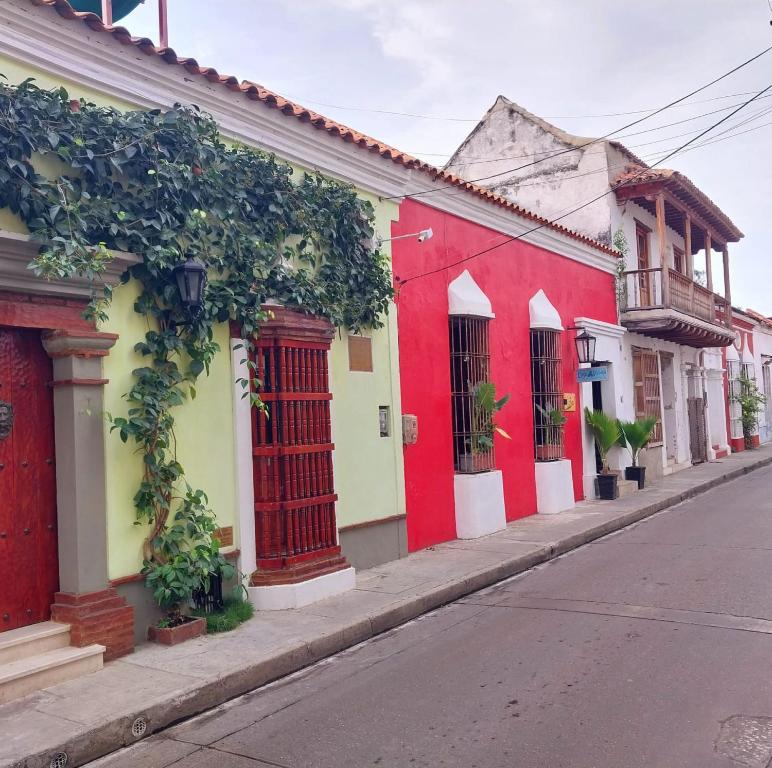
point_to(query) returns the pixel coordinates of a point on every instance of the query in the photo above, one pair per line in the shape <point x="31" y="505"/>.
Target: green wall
<point x="368" y="468"/>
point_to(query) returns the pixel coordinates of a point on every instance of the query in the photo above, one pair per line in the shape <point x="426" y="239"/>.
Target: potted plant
<point x="750" y="401"/>
<point x="606" y="432"/>
<point x="635" y="435"/>
<point x="485" y="406"/>
<point x="185" y="557"/>
<point x="553" y="420"/>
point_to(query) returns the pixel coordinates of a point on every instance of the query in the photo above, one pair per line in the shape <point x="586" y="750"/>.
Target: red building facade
<point x="510" y="276"/>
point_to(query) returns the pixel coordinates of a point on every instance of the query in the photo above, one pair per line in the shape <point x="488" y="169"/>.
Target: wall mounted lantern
<point x="190" y="277"/>
<point x="585" y="347"/>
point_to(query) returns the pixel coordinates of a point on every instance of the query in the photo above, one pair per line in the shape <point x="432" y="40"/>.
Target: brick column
<point x="96" y="613"/>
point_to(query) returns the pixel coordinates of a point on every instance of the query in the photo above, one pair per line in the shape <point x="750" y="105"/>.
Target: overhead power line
<point x="443" y="118"/>
<point x="588" y="202"/>
<point x="551" y="152"/>
<point x="607" y="135"/>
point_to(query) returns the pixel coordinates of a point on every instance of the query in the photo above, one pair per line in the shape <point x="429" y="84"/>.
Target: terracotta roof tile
<point x="257" y="92"/>
<point x="689" y="192"/>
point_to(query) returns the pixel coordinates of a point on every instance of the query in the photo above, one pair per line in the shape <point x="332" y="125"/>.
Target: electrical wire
<point x="605" y="136"/>
<point x="549" y="153"/>
<point x="402" y="283"/>
<point x="713" y="140"/>
<point x="443" y="118"/>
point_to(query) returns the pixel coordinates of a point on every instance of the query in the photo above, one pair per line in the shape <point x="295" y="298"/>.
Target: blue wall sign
<point x="598" y="373"/>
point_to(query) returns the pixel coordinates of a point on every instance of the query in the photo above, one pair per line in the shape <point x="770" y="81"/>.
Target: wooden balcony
<point x="668" y="305"/>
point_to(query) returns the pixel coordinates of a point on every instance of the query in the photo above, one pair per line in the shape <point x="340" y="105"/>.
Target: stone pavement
<point x="92" y="716"/>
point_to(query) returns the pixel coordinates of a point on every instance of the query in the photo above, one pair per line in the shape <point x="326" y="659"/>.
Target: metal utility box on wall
<point x="409" y="429"/>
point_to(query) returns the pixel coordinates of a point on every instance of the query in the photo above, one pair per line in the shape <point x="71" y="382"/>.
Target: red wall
<point x="510" y="276"/>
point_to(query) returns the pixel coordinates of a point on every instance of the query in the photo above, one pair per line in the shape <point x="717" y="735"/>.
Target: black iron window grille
<point x="210" y="600"/>
<point x="547" y="389"/>
<point x="469" y="367"/>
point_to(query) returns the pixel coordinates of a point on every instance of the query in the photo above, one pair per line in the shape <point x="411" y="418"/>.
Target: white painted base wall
<point x="479" y="504"/>
<point x="554" y="487"/>
<point x="282" y="597"/>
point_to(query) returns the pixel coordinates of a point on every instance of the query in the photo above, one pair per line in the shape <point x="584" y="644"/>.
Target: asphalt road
<point x="649" y="648"/>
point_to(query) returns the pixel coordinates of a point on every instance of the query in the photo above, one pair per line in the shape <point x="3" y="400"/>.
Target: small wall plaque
<point x="569" y="402"/>
<point x="360" y="354"/>
<point x="224" y="536"/>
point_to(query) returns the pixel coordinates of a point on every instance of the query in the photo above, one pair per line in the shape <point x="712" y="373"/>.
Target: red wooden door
<point x="295" y="527"/>
<point x="29" y="570"/>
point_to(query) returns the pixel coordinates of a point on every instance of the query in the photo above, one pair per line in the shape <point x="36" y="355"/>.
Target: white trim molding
<point x="600" y="327"/>
<point x="543" y="314"/>
<point x="466" y="298"/>
<point x="16" y="253"/>
<point x="242" y="436"/>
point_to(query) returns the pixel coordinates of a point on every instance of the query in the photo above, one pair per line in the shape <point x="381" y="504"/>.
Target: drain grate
<point x="59" y="760"/>
<point x="139" y="727"/>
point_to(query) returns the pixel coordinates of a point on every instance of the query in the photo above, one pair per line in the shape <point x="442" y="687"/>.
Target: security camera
<point x="425" y="234"/>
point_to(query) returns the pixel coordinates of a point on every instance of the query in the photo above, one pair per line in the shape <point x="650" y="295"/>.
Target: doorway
<point x="698" y="425"/>
<point x="29" y="569"/>
<point x="669" y="406"/>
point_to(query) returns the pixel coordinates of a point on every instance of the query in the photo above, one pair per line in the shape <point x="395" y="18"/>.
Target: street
<point x="650" y="647"/>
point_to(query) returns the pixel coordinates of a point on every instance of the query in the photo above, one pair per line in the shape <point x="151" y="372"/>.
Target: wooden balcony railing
<point x="644" y="290"/>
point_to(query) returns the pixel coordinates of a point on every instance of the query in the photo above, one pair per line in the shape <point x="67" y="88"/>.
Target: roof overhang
<point x="670" y="324"/>
<point x="643" y="186"/>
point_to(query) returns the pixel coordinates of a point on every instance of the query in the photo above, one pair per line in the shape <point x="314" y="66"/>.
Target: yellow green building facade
<point x="100" y="548"/>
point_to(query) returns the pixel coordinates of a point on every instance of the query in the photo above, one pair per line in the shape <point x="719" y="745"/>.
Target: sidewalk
<point x="92" y="716"/>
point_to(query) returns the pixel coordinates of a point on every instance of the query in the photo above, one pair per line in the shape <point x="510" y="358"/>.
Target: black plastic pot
<point x="636" y="473"/>
<point x="607" y="487"/>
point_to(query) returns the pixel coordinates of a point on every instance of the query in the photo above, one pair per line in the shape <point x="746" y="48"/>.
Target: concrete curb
<point x="104" y="738"/>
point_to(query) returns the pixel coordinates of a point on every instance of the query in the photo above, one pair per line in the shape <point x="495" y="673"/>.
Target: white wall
<point x="616" y="402"/>
<point x="517" y="140"/>
<point x="762" y="351"/>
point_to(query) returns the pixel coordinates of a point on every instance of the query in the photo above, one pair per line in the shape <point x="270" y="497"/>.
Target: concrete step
<point x="33" y="640"/>
<point x="18" y="678"/>
<point x="626" y="487"/>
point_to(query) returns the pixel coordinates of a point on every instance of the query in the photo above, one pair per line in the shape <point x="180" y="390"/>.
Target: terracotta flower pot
<point x="178" y="634"/>
<point x="549" y="452"/>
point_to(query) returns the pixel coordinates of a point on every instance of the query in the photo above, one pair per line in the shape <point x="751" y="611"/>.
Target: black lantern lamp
<point x="585" y="347"/>
<point x="190" y="277"/>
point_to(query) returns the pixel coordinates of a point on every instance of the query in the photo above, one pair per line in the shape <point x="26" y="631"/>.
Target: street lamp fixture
<point x="190" y="277"/>
<point x="585" y="347"/>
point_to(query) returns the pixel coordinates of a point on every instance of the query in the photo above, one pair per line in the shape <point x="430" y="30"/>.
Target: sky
<point x="577" y="64"/>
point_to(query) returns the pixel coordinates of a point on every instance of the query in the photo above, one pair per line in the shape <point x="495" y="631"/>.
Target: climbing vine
<point x="165" y="186"/>
<point x="620" y="282"/>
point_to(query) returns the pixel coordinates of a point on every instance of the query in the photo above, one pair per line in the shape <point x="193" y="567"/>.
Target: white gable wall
<point x="545" y="187"/>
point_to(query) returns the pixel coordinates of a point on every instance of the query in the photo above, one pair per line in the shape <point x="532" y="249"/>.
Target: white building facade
<point x="665" y="355"/>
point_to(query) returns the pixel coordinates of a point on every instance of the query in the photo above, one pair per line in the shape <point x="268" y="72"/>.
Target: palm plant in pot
<point x="635" y="436"/>
<point x="606" y="432"/>
<point x="485" y="406"/>
<point x="551" y="433"/>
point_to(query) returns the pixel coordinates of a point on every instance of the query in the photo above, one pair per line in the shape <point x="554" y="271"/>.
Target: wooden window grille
<point x="648" y="400"/>
<point x="469" y="366"/>
<point x="547" y="395"/>
<point x="295" y="524"/>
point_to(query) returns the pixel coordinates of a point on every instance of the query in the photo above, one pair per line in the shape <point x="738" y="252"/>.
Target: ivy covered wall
<point x="368" y="468"/>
